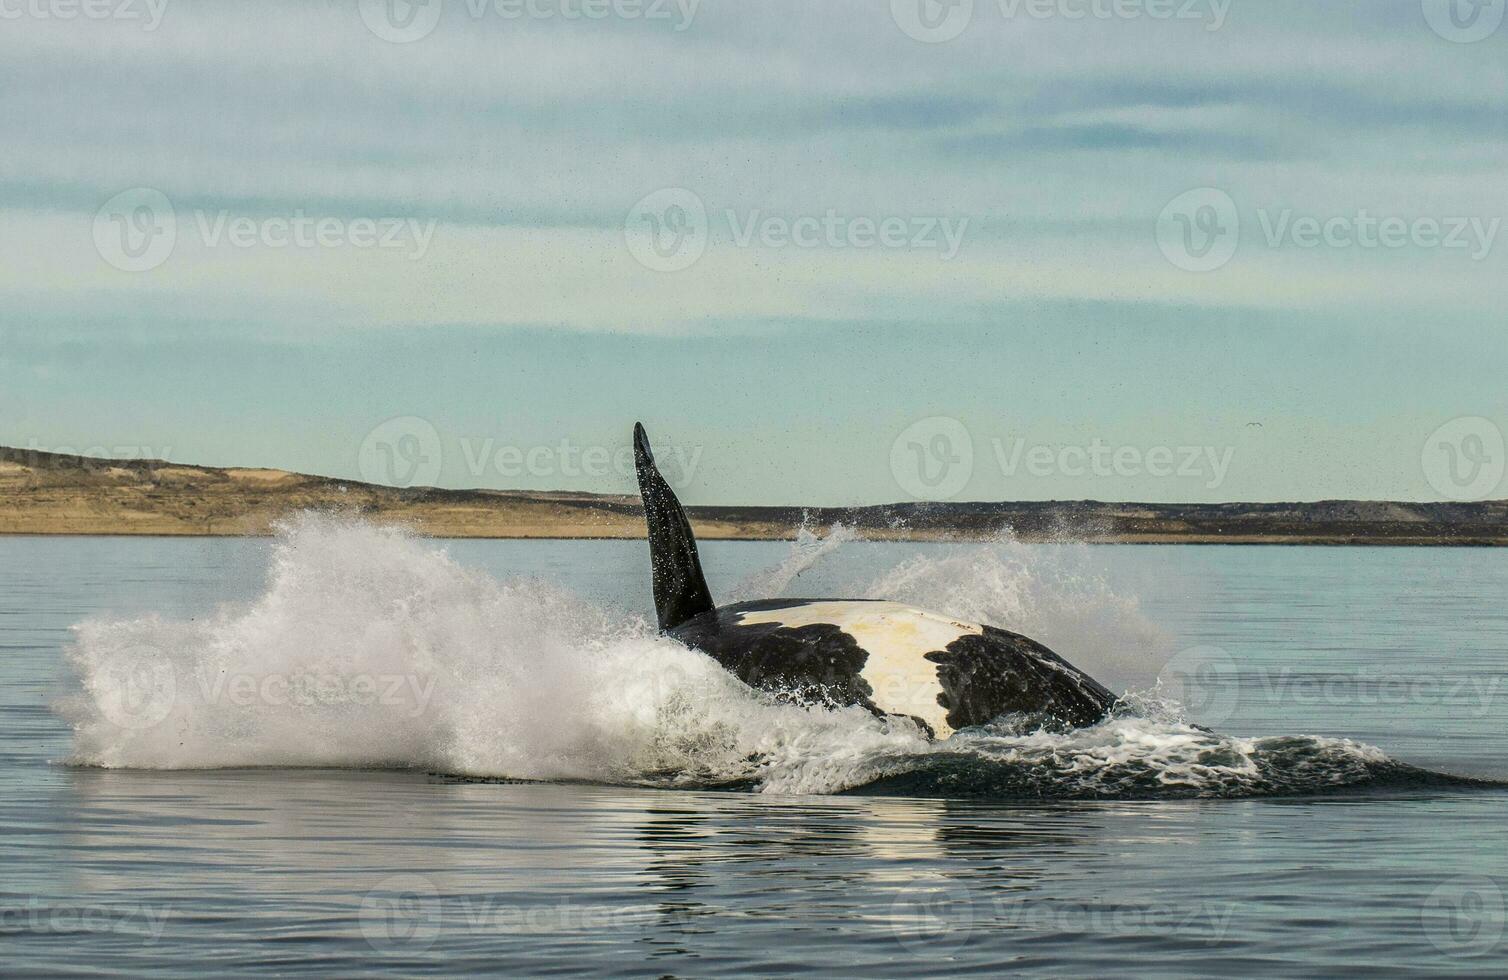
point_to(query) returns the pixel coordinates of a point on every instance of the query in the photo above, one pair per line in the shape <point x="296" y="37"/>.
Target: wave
<point x="1146" y="758"/>
<point x="373" y="648"/>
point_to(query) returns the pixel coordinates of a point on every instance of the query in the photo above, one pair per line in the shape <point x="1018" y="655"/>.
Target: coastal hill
<point x="48" y="493"/>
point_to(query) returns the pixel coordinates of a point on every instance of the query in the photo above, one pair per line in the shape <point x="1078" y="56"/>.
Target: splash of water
<point x="1055" y="595"/>
<point x="370" y="648"/>
<point x="807" y="550"/>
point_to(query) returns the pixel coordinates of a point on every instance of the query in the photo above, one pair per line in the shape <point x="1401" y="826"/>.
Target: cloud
<point x="528" y="142"/>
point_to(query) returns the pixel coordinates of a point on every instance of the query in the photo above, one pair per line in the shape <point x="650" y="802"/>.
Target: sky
<point x="845" y="252"/>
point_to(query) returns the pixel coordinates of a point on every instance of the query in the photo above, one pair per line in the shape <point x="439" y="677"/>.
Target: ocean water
<point x="346" y="749"/>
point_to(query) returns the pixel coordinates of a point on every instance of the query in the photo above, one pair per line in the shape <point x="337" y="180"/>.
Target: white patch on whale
<point x="897" y="637"/>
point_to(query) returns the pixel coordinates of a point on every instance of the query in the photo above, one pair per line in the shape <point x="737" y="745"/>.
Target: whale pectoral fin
<point x="680" y="588"/>
<point x="997" y="672"/>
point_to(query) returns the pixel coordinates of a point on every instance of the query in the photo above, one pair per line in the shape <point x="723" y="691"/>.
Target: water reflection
<point x="400" y="872"/>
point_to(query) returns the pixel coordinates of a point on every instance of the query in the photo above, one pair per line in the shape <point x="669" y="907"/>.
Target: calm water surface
<point x="333" y="871"/>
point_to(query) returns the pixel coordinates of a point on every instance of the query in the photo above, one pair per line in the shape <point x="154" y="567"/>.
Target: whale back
<point x="896" y="659"/>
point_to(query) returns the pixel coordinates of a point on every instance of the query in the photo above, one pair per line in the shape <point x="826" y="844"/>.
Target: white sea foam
<point x="373" y="648"/>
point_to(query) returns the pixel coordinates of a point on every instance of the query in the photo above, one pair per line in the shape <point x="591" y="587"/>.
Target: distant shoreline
<point x="1249" y="541"/>
<point x="47" y="494"/>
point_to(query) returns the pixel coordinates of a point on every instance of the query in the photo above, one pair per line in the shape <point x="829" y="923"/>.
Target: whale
<point x="891" y="658"/>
